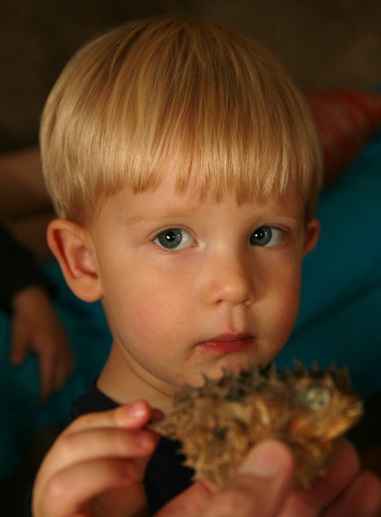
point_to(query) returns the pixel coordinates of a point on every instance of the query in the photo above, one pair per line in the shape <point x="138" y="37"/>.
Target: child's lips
<point x="227" y="343"/>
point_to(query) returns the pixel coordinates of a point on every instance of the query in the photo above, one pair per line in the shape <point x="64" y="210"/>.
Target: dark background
<point x="324" y="43"/>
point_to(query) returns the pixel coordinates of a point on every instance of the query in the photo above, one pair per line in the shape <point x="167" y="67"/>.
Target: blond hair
<point x="174" y="88"/>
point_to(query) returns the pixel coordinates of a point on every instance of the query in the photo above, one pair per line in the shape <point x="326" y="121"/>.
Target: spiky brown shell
<point x="310" y="410"/>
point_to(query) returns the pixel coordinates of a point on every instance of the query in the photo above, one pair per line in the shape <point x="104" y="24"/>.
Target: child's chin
<point x="229" y="362"/>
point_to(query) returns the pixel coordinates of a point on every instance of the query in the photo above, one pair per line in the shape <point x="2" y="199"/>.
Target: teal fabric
<point x="339" y="320"/>
<point x="88" y="333"/>
<point x="20" y="415"/>
<point x="340" y="313"/>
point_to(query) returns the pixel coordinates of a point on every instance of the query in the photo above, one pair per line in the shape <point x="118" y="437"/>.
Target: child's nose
<point x="230" y="280"/>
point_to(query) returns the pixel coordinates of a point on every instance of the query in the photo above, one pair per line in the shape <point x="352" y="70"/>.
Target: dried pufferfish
<point x="310" y="410"/>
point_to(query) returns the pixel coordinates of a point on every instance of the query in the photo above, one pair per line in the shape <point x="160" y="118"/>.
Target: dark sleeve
<point x="18" y="269"/>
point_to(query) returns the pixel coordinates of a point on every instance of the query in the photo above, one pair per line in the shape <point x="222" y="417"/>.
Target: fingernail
<point x="263" y="461"/>
<point x="138" y="409"/>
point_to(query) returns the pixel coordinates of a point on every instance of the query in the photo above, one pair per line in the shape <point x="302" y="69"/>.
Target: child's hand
<point x="96" y="467"/>
<point x="262" y="489"/>
<point x="36" y="328"/>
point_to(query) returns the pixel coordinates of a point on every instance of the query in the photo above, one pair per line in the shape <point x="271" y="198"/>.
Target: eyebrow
<point x="146" y="215"/>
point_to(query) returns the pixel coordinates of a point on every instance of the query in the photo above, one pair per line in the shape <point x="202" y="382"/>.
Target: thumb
<point x="259" y="488"/>
<point x="269" y="460"/>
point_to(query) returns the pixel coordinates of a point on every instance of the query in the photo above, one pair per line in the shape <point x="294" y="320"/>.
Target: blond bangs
<point x="174" y="92"/>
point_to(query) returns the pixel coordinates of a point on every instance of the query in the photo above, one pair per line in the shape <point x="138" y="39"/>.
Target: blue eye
<point x="174" y="238"/>
<point x="266" y="236"/>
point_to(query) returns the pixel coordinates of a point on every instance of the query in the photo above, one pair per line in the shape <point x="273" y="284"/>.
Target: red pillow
<point x="346" y="120"/>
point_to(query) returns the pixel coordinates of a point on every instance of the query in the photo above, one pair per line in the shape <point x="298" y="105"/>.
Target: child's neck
<point x="124" y="385"/>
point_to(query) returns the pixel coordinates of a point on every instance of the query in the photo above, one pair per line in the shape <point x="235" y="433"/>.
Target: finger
<point x="363" y="498"/>
<point x="130" y="416"/>
<point x="46" y="363"/>
<point x="60" y="375"/>
<point x="263" y="483"/>
<point x="310" y="502"/>
<point x="19" y="345"/>
<point x="71" y="488"/>
<point x="62" y="368"/>
<point x="102" y="443"/>
<point x="113" y="433"/>
<point x="66" y="368"/>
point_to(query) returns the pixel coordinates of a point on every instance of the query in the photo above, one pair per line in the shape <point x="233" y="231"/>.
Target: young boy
<point x="184" y="166"/>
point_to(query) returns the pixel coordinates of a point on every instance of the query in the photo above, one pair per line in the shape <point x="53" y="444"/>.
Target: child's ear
<point x="71" y="245"/>
<point x="311" y="235"/>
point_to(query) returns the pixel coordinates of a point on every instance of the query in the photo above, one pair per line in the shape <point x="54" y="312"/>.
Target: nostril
<point x="229" y="280"/>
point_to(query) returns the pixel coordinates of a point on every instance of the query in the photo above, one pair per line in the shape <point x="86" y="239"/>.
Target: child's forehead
<point x="166" y="200"/>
